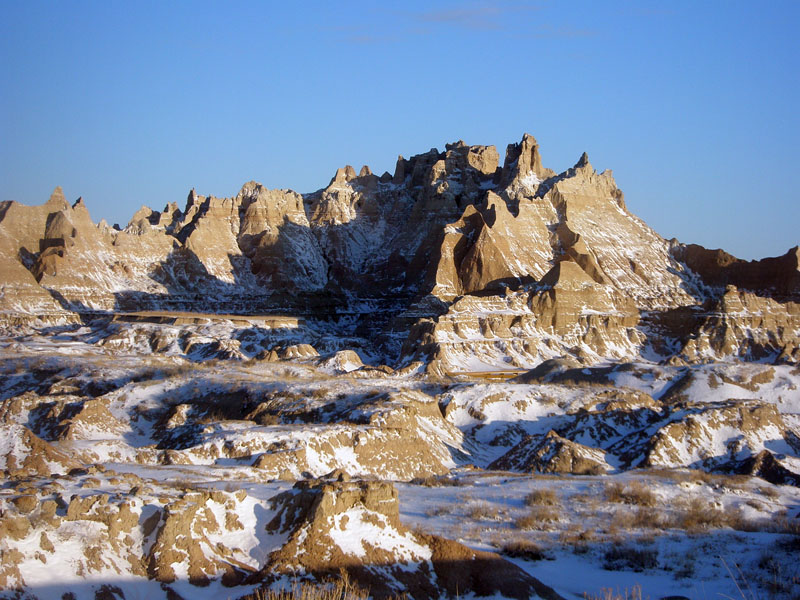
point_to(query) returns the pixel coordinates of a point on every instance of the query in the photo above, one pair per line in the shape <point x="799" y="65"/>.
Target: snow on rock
<point x="355" y="526"/>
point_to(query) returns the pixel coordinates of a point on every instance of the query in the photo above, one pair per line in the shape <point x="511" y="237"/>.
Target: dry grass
<point x="483" y="511"/>
<point x="542" y="498"/>
<point x="522" y="548"/>
<point x="634" y="493"/>
<point x="609" y="594"/>
<point x="680" y="475"/>
<point x="696" y="476"/>
<point x="539" y="517"/>
<point x="341" y="589"/>
<point x="630" y="558"/>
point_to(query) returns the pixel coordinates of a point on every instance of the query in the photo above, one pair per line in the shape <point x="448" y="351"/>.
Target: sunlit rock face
<point x="454" y="260"/>
<point x="236" y="395"/>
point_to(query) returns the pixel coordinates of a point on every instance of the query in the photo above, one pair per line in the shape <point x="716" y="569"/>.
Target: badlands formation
<point x="461" y="379"/>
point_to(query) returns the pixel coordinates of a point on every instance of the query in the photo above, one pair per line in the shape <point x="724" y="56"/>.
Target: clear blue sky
<point x="694" y="105"/>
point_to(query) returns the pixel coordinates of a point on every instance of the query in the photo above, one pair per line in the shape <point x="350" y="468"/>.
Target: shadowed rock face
<point x="453" y="253"/>
<point x="355" y="527"/>
<point x="779" y="276"/>
<point x="553" y="454"/>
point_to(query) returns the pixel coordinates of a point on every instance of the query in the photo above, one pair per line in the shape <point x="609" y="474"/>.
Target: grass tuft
<point x="634" y="493"/>
<point x="609" y="594"/>
<point x="630" y="558"/>
<point x="542" y="498"/>
<point x="538" y="518"/>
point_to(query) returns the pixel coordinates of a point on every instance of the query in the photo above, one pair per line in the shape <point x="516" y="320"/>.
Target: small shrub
<point x="542" y="498"/>
<point x="319" y="393"/>
<point x="770" y="492"/>
<point x="438" y="511"/>
<point x="577" y="538"/>
<point x="699" y="515"/>
<point x="482" y="511"/>
<point x="630" y="558"/>
<point x="640" y="518"/>
<point x="785" y="524"/>
<point x="753" y="503"/>
<point x="634" y="493"/>
<point x="684" y="567"/>
<point x="538" y="516"/>
<point x="522" y="548"/>
<point x="609" y="594"/>
<point x="436" y="481"/>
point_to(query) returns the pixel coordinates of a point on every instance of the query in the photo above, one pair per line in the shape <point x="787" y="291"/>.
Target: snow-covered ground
<point x="146" y="423"/>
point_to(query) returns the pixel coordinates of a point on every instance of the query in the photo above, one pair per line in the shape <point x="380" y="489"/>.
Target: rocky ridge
<point x="453" y="260"/>
<point x="227" y="396"/>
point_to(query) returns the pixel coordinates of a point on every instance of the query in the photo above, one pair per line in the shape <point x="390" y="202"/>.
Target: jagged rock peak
<point x="344" y="174"/>
<point x="57" y="199"/>
<point x="523" y="159"/>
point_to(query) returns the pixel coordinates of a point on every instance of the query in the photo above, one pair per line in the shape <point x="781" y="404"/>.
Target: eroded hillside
<point x="461" y="379"/>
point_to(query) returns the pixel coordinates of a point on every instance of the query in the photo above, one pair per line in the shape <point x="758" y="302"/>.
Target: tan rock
<point x="553" y="454"/>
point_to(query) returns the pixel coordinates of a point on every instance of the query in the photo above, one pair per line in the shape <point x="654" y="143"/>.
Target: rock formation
<point x="532" y="263"/>
<point x="355" y="527"/>
<point x="229" y="394"/>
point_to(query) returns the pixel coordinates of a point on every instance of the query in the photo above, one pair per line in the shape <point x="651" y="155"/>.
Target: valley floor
<point x="138" y="472"/>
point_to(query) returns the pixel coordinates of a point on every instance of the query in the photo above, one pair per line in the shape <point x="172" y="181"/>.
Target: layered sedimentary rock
<point x="747" y="326"/>
<point x="771" y="276"/>
<point x="553" y="454"/>
<point x="355" y="527"/>
<point x="452" y="259"/>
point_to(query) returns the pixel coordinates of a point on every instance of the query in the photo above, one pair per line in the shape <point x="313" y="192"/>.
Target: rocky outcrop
<point x="765" y="465"/>
<point x="523" y="160"/>
<point x="26" y="454"/>
<point x="553" y="454"/>
<point x="713" y="436"/>
<point x="779" y="276"/>
<point x="567" y="313"/>
<point x="355" y="527"/>
<point x="548" y="264"/>
<point x="748" y="327"/>
<point x="196" y="537"/>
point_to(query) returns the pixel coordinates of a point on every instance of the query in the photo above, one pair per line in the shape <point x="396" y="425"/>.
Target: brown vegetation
<point x="538" y="518"/>
<point x="634" y="493"/>
<point x="541" y="498"/>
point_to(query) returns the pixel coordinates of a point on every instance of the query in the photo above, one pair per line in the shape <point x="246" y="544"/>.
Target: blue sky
<point x="694" y="105"/>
